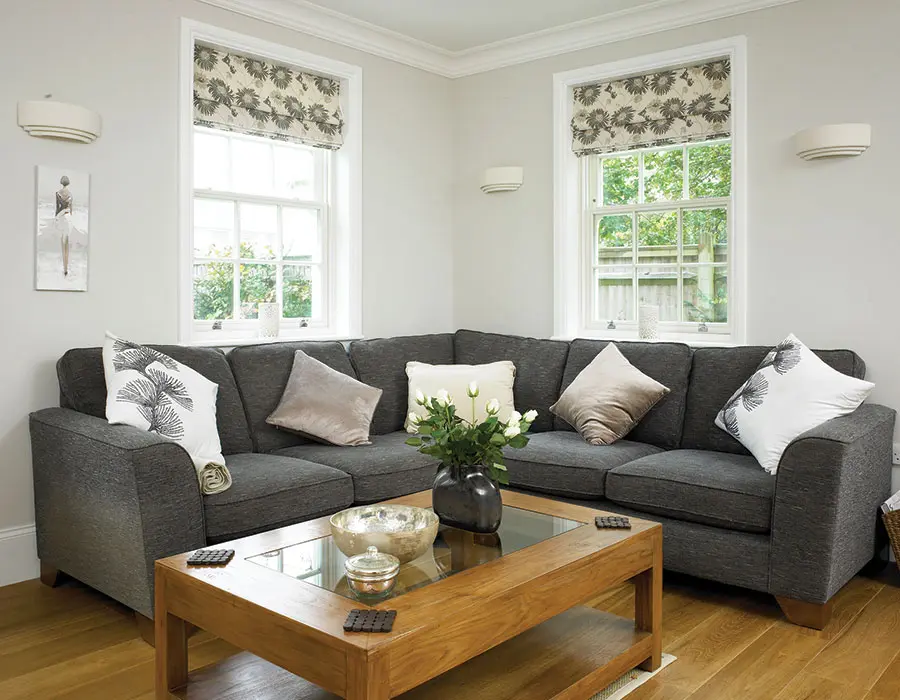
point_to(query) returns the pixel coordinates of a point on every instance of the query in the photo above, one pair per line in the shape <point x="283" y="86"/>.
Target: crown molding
<point x="649" y="18"/>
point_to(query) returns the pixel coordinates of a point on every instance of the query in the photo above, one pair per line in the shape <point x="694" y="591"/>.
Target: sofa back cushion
<point x="262" y="373"/>
<point x="716" y="373"/>
<point x="539" y="367"/>
<point x="667" y="363"/>
<point x="381" y="363"/>
<point x="82" y="387"/>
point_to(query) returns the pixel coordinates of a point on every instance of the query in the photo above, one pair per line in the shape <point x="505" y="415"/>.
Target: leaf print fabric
<point x="258" y="97"/>
<point x="677" y="105"/>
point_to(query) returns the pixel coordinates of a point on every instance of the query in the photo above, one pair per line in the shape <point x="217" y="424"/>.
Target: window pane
<point x="706" y="294"/>
<point x="658" y="237"/>
<point x="705" y="234"/>
<point x="663" y="176"/>
<point x="210" y="161"/>
<point x="614" y="300"/>
<point x="259" y="231"/>
<point x="298" y="292"/>
<point x="614" y="236"/>
<point x="709" y="171"/>
<point x="301" y="234"/>
<point x="251" y="166"/>
<point x="294" y="172"/>
<point x="658" y="285"/>
<point x="620" y="180"/>
<point x="213" y="228"/>
<point x="213" y="291"/>
<point x="258" y="284"/>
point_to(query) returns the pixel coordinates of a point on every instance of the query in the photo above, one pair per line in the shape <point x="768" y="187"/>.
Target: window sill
<point x="692" y="340"/>
<point x="234" y="342"/>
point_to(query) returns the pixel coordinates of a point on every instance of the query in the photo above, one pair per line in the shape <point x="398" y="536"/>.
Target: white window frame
<point x="573" y="249"/>
<point x="342" y="254"/>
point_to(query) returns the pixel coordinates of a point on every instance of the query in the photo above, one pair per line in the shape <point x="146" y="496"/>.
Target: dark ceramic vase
<point x="467" y="498"/>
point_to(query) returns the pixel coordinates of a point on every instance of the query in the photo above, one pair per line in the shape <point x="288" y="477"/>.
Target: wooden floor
<point x="73" y="643"/>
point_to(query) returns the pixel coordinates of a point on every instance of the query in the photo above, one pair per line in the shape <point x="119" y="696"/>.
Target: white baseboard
<point x="18" y="555"/>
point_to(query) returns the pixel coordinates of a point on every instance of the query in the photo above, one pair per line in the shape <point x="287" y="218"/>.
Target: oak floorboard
<point x="887" y="687"/>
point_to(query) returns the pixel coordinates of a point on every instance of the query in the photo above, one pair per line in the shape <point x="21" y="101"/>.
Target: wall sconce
<point x="506" y="179"/>
<point x="59" y="120"/>
<point x="833" y="140"/>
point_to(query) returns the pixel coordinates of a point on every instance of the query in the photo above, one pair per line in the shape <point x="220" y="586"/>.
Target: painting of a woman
<point x="61" y="246"/>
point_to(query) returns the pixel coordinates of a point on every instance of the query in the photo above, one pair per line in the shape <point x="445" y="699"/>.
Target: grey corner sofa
<point x="112" y="499"/>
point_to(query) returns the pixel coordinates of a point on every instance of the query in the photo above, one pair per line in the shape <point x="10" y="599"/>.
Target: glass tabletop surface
<point x="321" y="563"/>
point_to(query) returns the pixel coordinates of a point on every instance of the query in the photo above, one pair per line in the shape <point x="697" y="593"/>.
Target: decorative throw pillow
<point x="321" y="403"/>
<point x="495" y="381"/>
<point x="608" y="398"/>
<point x="149" y="390"/>
<point x="792" y="391"/>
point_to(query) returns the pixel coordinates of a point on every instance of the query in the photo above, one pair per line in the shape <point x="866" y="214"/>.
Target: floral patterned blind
<point x="262" y="98"/>
<point x="675" y="105"/>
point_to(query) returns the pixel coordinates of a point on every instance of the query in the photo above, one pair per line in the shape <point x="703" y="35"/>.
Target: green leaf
<point x="519" y="441"/>
<point x="425" y="429"/>
<point x="501" y="467"/>
<point x="498" y="439"/>
<point x="503" y="478"/>
<point x="414" y="442"/>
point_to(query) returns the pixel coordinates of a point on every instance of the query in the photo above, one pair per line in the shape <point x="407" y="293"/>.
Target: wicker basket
<point x="892" y="525"/>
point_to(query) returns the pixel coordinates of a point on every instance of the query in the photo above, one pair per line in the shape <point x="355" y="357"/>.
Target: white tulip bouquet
<point x="456" y="441"/>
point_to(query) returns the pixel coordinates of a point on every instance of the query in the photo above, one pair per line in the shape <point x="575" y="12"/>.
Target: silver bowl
<point x="406" y="532"/>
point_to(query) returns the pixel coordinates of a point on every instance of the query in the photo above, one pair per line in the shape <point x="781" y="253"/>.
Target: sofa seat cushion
<point x="561" y="463"/>
<point x="385" y="469"/>
<point x="269" y="491"/>
<point x="713" y="488"/>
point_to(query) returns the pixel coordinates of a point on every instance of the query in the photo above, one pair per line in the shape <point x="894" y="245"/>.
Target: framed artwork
<point x="62" y="239"/>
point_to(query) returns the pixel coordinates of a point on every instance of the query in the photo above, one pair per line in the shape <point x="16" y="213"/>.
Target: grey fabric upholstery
<point x="110" y="500"/>
<point x="382" y="363"/>
<point x="83" y="387"/>
<point x="713" y="488"/>
<point x="385" y="469"/>
<point x="539" y="367"/>
<point x="562" y="463"/>
<point x="262" y="371"/>
<point x="270" y="492"/>
<point x="829" y="486"/>
<point x="716" y="373"/>
<point x="667" y="363"/>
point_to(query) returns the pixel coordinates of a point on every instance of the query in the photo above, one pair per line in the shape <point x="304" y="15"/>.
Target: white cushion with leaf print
<point x="149" y="390"/>
<point x="792" y="391"/>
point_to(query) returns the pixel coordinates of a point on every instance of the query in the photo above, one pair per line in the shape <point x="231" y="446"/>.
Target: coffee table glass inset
<point x="321" y="563"/>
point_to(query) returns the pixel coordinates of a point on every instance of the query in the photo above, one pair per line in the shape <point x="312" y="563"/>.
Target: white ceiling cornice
<point x="657" y="16"/>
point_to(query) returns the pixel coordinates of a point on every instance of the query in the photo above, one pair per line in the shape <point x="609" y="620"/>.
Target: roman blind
<point x="674" y="105"/>
<point x="252" y="96"/>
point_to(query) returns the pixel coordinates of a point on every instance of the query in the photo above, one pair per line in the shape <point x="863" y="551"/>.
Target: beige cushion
<point x="322" y="403"/>
<point x="608" y="398"/>
<point x="495" y="381"/>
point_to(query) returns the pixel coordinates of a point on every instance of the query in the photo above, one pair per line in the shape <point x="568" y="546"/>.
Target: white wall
<point x="824" y="242"/>
<point x="121" y="58"/>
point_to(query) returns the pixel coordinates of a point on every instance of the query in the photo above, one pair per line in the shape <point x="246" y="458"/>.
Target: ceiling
<point x="457" y="25"/>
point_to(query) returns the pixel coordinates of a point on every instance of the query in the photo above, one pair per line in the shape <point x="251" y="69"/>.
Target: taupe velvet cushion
<point x="325" y="404"/>
<point x="608" y="398"/>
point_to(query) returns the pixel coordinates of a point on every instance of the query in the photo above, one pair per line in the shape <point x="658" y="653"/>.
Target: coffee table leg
<point x="171" y="646"/>
<point x="648" y="605"/>
<point x="368" y="677"/>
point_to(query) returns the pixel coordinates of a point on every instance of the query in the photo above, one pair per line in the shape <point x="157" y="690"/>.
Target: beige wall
<point x="824" y="243"/>
<point x="121" y="58"/>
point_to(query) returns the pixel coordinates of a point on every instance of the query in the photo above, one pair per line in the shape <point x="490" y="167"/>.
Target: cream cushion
<point x="608" y="398"/>
<point x="495" y="381"/>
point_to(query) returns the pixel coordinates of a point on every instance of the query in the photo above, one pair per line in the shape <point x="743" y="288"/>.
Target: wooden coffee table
<point x="480" y="616"/>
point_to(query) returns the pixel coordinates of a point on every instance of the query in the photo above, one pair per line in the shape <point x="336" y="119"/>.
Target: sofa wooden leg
<point x="146" y="628"/>
<point x="51" y="576"/>
<point x="814" y="615"/>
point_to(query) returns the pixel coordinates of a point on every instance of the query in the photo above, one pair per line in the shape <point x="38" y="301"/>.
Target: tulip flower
<point x="420" y="397"/>
<point x="530" y="416"/>
<point x="412" y="428"/>
<point x="512" y="431"/>
<point x="443" y="398"/>
<point x="493" y="407"/>
<point x="472" y="390"/>
<point x="414" y="418"/>
<point x="514" y="418"/>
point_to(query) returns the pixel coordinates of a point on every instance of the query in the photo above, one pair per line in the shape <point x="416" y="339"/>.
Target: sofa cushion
<point x="562" y="463"/>
<point x="382" y="363"/>
<point x="667" y="363"/>
<point x="539" y="367"/>
<point x="262" y="372"/>
<point x="713" y="488"/>
<point x="271" y="491"/>
<point x="716" y="373"/>
<point x="385" y="469"/>
<point x="82" y="387"/>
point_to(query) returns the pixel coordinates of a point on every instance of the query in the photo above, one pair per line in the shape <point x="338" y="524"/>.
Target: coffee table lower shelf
<point x="569" y="657"/>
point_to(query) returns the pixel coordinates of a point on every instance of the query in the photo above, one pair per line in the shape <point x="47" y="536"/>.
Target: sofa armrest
<point x="110" y="500"/>
<point x="829" y="485"/>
